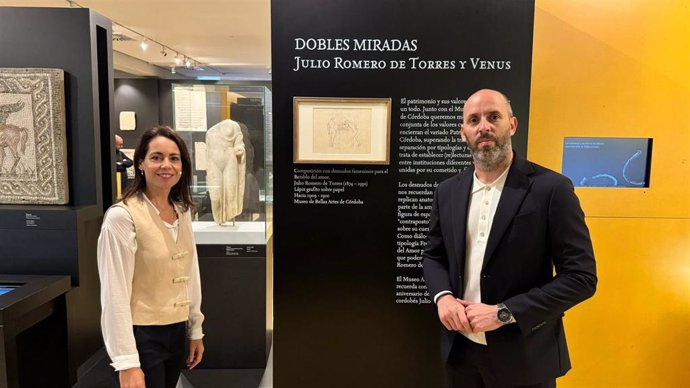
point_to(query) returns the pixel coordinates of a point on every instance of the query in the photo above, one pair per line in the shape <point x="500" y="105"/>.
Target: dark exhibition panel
<point x="33" y="316"/>
<point x="351" y="307"/>
<point x="61" y="240"/>
<point x="234" y="290"/>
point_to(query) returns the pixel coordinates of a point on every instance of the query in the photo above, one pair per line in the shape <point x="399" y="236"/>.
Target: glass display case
<point x="227" y="130"/>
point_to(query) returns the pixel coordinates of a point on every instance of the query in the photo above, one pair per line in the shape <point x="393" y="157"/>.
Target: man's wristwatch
<point x="503" y="314"/>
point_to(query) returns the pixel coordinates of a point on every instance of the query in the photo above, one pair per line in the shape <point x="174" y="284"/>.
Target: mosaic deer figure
<point x="12" y="137"/>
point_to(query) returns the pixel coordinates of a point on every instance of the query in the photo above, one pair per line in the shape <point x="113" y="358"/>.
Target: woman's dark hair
<point x="179" y="193"/>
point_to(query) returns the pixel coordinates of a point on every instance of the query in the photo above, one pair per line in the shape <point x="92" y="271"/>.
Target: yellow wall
<point x="619" y="68"/>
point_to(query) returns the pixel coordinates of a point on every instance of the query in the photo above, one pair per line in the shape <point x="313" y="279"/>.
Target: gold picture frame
<point x="342" y="130"/>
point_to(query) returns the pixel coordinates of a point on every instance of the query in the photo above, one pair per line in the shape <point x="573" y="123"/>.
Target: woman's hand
<point x="196" y="352"/>
<point x="132" y="378"/>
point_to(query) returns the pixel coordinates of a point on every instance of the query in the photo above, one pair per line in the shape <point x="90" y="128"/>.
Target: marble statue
<point x="225" y="170"/>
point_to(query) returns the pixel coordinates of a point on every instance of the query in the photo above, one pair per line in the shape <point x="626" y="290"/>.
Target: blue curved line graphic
<point x="583" y="181"/>
<point x="625" y="168"/>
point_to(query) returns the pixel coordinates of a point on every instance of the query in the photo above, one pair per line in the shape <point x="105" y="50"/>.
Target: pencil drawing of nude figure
<point x="342" y="131"/>
<point x="13" y="139"/>
<point x="332" y="127"/>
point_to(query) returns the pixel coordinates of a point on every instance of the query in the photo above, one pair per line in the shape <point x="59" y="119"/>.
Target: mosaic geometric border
<point x="33" y="150"/>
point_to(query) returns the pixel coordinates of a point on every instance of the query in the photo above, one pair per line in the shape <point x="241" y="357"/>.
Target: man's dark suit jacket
<point x="123" y="163"/>
<point x="538" y="226"/>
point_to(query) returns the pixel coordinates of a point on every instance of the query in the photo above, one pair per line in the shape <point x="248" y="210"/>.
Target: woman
<point x="149" y="271"/>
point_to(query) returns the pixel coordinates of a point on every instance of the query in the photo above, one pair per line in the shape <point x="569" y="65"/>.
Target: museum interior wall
<point x="619" y="69"/>
<point x="138" y="95"/>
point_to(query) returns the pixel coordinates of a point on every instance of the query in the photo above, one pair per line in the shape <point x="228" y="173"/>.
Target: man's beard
<point x="492" y="158"/>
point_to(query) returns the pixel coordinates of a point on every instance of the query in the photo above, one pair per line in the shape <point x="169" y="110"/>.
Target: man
<point x="497" y="232"/>
<point x="123" y="162"/>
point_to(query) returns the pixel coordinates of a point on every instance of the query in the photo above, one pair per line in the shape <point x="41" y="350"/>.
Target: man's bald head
<point x="119" y="143"/>
<point x="488" y="92"/>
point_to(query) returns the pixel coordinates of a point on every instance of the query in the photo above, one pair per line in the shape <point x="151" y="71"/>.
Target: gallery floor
<point x="97" y="373"/>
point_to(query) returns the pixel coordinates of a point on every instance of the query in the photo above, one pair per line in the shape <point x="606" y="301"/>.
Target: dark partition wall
<point x="61" y="240"/>
<point x="141" y="97"/>
<point x="351" y="308"/>
<point x="68" y="39"/>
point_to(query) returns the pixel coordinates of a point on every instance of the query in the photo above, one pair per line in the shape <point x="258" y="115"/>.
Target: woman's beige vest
<point x="161" y="268"/>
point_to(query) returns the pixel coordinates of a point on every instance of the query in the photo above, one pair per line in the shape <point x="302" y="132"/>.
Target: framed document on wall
<point x="342" y="130"/>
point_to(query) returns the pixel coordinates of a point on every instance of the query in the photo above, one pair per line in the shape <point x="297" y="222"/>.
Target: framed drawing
<point x="342" y="130"/>
<point x="128" y="121"/>
<point x="33" y="148"/>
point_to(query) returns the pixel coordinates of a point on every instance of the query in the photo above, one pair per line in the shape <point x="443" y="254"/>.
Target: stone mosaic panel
<point x="33" y="152"/>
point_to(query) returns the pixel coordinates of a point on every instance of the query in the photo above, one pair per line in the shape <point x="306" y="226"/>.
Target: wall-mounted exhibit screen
<point x="607" y="161"/>
<point x="4" y="288"/>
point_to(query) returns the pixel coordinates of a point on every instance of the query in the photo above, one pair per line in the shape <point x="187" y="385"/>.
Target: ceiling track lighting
<point x="180" y="59"/>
